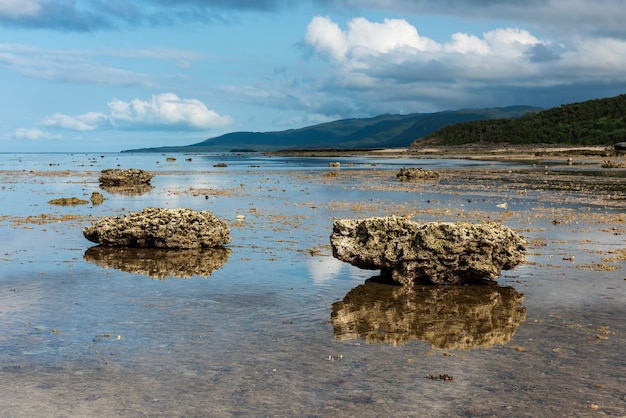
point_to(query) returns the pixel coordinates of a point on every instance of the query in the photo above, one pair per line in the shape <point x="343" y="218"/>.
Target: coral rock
<point x="124" y="176"/>
<point x="409" y="174"/>
<point x="437" y="252"/>
<point x="160" y="228"/>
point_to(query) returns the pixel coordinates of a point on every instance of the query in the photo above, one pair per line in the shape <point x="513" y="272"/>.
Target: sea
<point x="273" y="325"/>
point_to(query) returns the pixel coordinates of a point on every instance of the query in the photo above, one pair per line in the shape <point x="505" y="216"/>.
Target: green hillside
<point x="594" y="122"/>
<point x="385" y="131"/>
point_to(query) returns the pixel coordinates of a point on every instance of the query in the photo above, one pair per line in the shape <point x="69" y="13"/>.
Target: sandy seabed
<point x="275" y="326"/>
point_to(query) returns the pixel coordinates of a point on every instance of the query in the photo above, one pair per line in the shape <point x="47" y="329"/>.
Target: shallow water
<point x="276" y="326"/>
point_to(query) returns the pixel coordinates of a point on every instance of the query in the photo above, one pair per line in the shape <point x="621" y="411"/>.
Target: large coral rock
<point x="124" y="177"/>
<point x="160" y="228"/>
<point x="437" y="252"/>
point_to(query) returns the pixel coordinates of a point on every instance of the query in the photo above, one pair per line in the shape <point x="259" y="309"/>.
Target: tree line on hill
<point x="593" y="122"/>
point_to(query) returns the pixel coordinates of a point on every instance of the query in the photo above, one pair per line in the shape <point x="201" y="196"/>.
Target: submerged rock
<point x="447" y="317"/>
<point x="68" y="201"/>
<point x="437" y="252"/>
<point x="408" y="174"/>
<point x="124" y="177"/>
<point x="160" y="228"/>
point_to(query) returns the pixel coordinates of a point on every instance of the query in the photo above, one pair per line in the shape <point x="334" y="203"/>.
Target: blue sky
<point x="108" y="75"/>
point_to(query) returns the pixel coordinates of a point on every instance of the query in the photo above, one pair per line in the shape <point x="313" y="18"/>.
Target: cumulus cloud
<point x="165" y="110"/>
<point x="364" y="38"/>
<point x="87" y="122"/>
<point x="373" y="48"/>
<point x="162" y="112"/>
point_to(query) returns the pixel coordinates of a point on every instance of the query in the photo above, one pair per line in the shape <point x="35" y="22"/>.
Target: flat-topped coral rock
<point x="160" y="228"/>
<point x="408" y="252"/>
<point x="124" y="177"/>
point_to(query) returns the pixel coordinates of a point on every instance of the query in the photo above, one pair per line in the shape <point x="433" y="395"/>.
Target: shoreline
<point x="591" y="154"/>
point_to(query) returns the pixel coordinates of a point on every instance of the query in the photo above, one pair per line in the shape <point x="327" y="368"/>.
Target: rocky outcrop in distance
<point x="411" y="253"/>
<point x="124" y="177"/>
<point x="416" y="173"/>
<point x="160" y="228"/>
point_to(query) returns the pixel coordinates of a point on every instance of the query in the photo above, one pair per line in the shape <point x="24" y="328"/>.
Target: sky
<point x="110" y="75"/>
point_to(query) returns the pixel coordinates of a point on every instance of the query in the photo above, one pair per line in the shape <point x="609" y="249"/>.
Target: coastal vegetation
<point x="594" y="122"/>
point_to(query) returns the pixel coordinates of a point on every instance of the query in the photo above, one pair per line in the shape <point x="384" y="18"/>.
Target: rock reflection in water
<point x="160" y="263"/>
<point x="447" y="317"/>
<point x="128" y="190"/>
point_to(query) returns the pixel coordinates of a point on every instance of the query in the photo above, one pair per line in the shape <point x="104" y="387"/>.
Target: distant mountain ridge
<point x="384" y="131"/>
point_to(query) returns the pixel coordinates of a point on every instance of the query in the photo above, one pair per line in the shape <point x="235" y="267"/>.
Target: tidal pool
<point x="273" y="325"/>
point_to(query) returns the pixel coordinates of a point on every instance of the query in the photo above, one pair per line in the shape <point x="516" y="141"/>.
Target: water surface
<point x="274" y="326"/>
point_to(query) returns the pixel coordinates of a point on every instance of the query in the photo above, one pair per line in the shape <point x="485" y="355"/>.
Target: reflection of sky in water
<point x="326" y="269"/>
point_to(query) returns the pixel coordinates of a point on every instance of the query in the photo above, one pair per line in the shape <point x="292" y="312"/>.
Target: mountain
<point x="384" y="131"/>
<point x="594" y="122"/>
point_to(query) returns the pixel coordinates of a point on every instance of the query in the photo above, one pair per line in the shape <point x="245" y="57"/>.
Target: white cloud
<point x="509" y="42"/>
<point x="32" y="134"/>
<point x="164" y="110"/>
<point x="327" y="38"/>
<point x="396" y="37"/>
<point x="364" y="38"/>
<point x="464" y="43"/>
<point x="382" y="38"/>
<point x="15" y="9"/>
<point x="87" y="122"/>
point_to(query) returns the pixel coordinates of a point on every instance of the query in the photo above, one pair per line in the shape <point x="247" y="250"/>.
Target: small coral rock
<point x="96" y="198"/>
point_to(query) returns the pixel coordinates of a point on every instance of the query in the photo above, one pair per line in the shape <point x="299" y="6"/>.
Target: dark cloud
<point x="440" y="97"/>
<point x="565" y="16"/>
<point x="62" y="16"/>
<point x="258" y="5"/>
<point x="91" y="15"/>
<point x="541" y="53"/>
